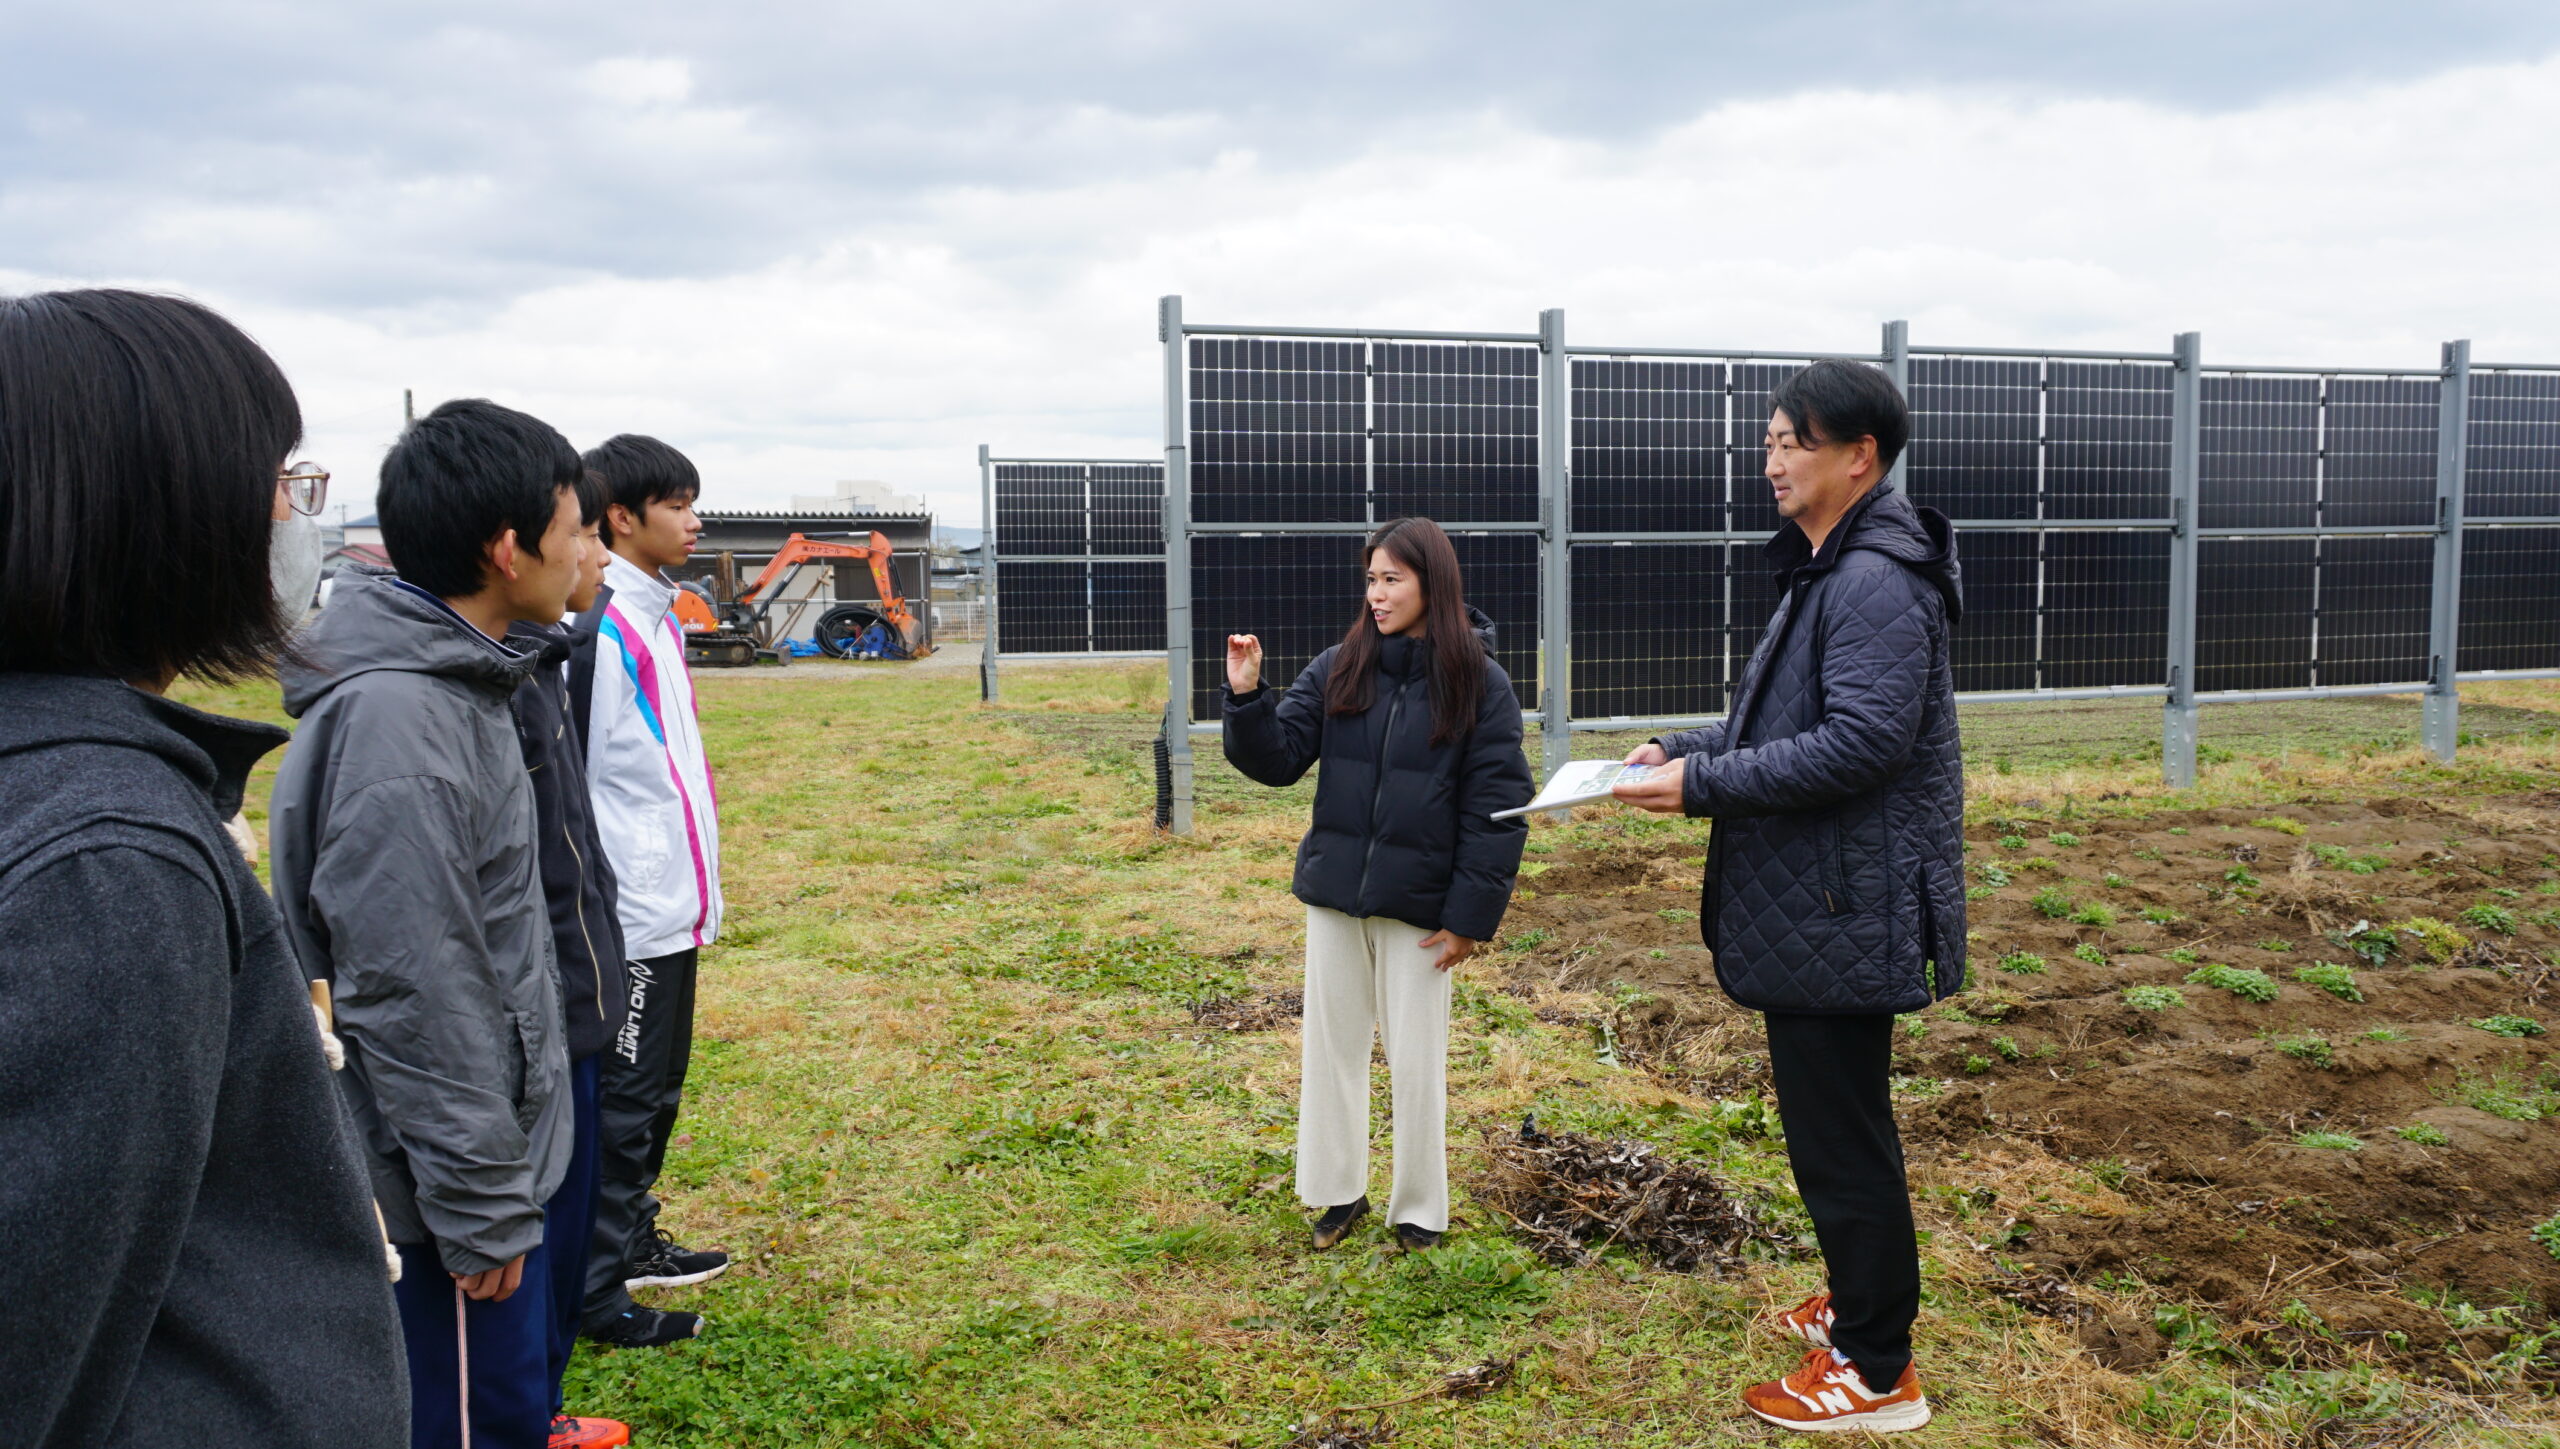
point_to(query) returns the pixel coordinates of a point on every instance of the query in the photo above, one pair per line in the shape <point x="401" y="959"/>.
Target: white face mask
<point x="293" y="565"/>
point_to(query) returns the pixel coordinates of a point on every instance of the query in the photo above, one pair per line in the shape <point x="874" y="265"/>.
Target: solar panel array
<point x="1079" y="553"/>
<point x="2511" y="575"/>
<point x="2303" y="454"/>
<point x="1287" y="431"/>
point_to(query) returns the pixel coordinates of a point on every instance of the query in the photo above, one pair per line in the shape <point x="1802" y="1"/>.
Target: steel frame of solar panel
<point x="2108" y="552"/>
<point x="1084" y="538"/>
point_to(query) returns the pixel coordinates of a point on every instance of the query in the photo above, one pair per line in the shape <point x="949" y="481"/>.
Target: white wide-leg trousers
<point x="1366" y="977"/>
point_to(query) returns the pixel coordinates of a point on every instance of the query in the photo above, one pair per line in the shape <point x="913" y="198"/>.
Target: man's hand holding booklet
<point x="1590" y="782"/>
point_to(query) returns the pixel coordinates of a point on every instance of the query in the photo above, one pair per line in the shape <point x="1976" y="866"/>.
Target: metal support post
<point x="1177" y="564"/>
<point x="1897" y="365"/>
<point x="986" y="575"/>
<point x="2441" y="728"/>
<point x="1555" y="489"/>
<point x="2178" y="714"/>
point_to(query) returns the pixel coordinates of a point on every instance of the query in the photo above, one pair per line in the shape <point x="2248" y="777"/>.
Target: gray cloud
<point x="434" y="162"/>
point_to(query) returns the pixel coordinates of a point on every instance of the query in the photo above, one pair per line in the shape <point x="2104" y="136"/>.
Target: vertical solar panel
<point x="2510" y="599"/>
<point x="1128" y="509"/>
<point x="1299" y="592"/>
<point x="1994" y="645"/>
<point x="2254" y="612"/>
<point x="2379" y="464"/>
<point x="1128" y="606"/>
<point x="1279" y="430"/>
<point x="2375" y="593"/>
<point x="1648" y="629"/>
<point x="2513" y="443"/>
<point x="1456" y="432"/>
<point x="2258" y="454"/>
<point x="1976" y="436"/>
<point x="1042" y="609"/>
<point x="1649" y="446"/>
<point x="1754" y="508"/>
<point x="2106" y="609"/>
<point x="1040" y="508"/>
<point x="2107" y="431"/>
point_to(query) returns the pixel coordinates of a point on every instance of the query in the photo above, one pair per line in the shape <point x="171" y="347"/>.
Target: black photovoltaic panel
<point x="1457" y="432"/>
<point x="2374" y="597"/>
<point x="2258" y="463"/>
<point x="2106" y="609"/>
<point x="1755" y="509"/>
<point x="1974" y="427"/>
<point x="1040" y="508"/>
<point x="1041" y="608"/>
<point x="2107" y="439"/>
<point x="2380" y="446"/>
<point x="1994" y="647"/>
<point x="1128" y="508"/>
<point x="1279" y="430"/>
<point x="2514" y="445"/>
<point x="2510" y="599"/>
<point x="1649" y="446"/>
<point x="1128" y="606"/>
<point x="1648" y="629"/>
<point x="1299" y="592"/>
<point x="2254" y="603"/>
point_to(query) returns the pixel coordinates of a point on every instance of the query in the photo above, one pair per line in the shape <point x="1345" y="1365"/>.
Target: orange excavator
<point x="727" y="626"/>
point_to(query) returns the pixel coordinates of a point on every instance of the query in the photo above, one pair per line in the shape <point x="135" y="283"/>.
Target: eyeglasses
<point x="305" y="486"/>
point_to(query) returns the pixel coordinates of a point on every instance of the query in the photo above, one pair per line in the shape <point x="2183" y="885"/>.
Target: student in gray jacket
<point x="406" y="861"/>
<point x="193" y="1256"/>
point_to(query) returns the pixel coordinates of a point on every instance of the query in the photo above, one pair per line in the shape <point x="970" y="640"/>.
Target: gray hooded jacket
<point x="406" y="864"/>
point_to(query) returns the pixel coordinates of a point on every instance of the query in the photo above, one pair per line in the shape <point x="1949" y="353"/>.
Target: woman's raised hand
<point x="1244" y="663"/>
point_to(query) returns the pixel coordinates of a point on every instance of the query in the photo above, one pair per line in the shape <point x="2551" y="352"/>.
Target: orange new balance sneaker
<point x="1825" y="1395"/>
<point x="1809" y="1320"/>
<point x="574" y="1433"/>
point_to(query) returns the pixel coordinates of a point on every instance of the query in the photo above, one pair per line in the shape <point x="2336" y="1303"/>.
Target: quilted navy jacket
<point x="1834" y="876"/>
<point x="1402" y="827"/>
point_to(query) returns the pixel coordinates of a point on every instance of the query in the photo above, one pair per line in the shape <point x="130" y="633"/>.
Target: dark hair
<point x="639" y="471"/>
<point x="592" y="497"/>
<point x="1456" y="655"/>
<point x="140" y="438"/>
<point x="1840" y="402"/>
<point x="458" y="478"/>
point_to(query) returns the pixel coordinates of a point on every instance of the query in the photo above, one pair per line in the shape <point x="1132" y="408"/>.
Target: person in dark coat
<point x="195" y="1255"/>
<point x="1403" y="870"/>
<point x="1834" y="896"/>
<point x="586" y="941"/>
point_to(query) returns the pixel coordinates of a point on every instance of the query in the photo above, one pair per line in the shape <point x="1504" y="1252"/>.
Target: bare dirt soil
<point x="2319" y="1172"/>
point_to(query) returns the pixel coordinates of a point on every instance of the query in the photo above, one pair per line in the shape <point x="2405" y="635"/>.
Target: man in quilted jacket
<point x="1834" y="896"/>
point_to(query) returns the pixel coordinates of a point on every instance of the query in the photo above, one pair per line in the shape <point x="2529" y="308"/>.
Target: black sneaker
<point x="1337" y="1222"/>
<point x="638" y="1327"/>
<point x="661" y="1263"/>
<point x="1416" y="1240"/>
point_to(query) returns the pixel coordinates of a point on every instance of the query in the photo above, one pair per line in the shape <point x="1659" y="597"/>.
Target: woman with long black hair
<point x="1403" y="870"/>
<point x="196" y="1256"/>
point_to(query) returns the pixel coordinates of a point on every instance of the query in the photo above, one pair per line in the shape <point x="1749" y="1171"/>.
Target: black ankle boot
<point x="1416" y="1240"/>
<point x="1337" y="1222"/>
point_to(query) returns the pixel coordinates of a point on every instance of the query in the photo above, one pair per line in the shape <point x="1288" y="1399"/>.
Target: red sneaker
<point x="568" y="1432"/>
<point x="1809" y="1320"/>
<point x="1826" y="1395"/>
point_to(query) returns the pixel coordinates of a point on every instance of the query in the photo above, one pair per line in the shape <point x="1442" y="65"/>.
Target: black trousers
<point x="1835" y="1099"/>
<point x="644" y="1069"/>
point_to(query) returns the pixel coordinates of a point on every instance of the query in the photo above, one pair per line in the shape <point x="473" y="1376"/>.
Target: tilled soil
<point x="2187" y="1124"/>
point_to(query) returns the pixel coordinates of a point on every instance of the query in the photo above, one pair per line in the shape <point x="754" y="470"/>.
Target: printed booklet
<point x="1583" y="782"/>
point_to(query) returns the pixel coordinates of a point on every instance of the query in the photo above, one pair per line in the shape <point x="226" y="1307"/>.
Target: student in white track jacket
<point x="652" y="787"/>
<point x="659" y="821"/>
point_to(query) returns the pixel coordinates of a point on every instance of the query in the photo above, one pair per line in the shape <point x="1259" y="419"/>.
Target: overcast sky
<point x="808" y="242"/>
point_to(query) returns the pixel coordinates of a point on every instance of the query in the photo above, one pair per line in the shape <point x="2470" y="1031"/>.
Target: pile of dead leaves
<point x="1569" y="1196"/>
<point x="1253" y="1011"/>
<point x="2044" y="1294"/>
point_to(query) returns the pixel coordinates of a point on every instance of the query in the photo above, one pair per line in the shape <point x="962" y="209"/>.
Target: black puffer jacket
<point x="1402" y="827"/>
<point x="1835" y="871"/>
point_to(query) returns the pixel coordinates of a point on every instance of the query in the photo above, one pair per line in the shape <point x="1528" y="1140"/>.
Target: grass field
<point x="988" y="1181"/>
